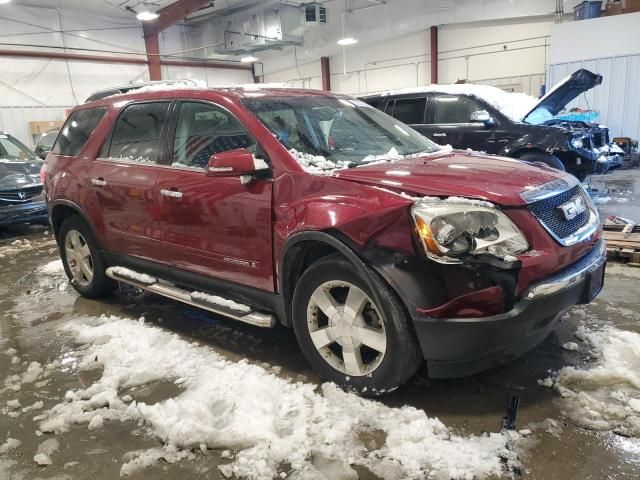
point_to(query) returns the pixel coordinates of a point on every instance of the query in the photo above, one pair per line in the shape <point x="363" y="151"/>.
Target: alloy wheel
<point x="78" y="257"/>
<point x="346" y="328"/>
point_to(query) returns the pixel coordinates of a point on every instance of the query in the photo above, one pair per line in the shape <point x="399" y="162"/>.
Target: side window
<point x="451" y="109"/>
<point x="137" y="134"/>
<point x="410" y="110"/>
<point x="76" y="131"/>
<point x="204" y="130"/>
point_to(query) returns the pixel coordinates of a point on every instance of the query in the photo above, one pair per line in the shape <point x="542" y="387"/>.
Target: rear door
<point x="123" y="178"/>
<point x="451" y="124"/>
<point x="216" y="226"/>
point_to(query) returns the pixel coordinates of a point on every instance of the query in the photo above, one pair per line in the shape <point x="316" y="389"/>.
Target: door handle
<point x="98" y="182"/>
<point x="442" y="134"/>
<point x="170" y="193"/>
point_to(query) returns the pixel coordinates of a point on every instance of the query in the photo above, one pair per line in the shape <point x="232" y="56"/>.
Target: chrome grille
<point x="548" y="213"/>
<point x="20" y="195"/>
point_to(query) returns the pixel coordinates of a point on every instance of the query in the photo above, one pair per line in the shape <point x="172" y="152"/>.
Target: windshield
<point x="12" y="148"/>
<point x="336" y="133"/>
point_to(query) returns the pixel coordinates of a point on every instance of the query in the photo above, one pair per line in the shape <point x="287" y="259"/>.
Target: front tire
<point x="356" y="338"/>
<point x="82" y="259"/>
<point x="542" y="157"/>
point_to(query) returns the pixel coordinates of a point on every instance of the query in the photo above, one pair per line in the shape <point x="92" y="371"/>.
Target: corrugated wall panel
<point x="617" y="99"/>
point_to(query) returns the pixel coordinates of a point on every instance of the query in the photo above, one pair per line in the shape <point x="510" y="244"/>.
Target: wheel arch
<point x="304" y="248"/>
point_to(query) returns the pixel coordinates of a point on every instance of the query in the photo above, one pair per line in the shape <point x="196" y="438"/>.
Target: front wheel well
<point x="59" y="214"/>
<point x="298" y="258"/>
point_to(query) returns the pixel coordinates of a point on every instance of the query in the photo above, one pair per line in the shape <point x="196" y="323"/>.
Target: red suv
<point x="321" y="213"/>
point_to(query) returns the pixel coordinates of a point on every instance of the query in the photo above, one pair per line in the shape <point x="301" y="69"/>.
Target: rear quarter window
<point x="77" y="130"/>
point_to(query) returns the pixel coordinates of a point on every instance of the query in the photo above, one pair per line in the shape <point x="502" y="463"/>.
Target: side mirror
<point x="481" y="116"/>
<point x="234" y="163"/>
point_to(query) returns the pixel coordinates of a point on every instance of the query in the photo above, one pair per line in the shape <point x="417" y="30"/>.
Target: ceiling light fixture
<point x="4" y="2"/>
<point x="146" y="16"/>
<point x="344" y="42"/>
<point x="248" y="59"/>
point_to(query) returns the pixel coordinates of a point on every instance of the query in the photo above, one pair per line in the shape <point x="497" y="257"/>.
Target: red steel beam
<point x="434" y="54"/>
<point x="116" y="59"/>
<point x="169" y="15"/>
<point x="326" y="73"/>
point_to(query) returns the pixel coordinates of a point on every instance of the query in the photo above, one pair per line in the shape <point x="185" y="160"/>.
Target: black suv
<point x="488" y="119"/>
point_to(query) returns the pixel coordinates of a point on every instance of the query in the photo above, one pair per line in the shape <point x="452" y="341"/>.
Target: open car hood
<point x="457" y="173"/>
<point x="562" y="93"/>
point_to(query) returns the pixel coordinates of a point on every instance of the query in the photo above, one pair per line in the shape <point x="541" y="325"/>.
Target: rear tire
<point x="542" y="157"/>
<point x="366" y="343"/>
<point x="82" y="259"/>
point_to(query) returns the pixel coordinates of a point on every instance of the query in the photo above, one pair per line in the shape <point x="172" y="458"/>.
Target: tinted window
<point x="454" y="109"/>
<point x="204" y="130"/>
<point x="137" y="135"/>
<point x="76" y="131"/>
<point x="410" y="110"/>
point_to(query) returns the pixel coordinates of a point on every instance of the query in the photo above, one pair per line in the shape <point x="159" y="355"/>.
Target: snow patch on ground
<point x="605" y="395"/>
<point x="55" y="267"/>
<point x="10" y="444"/>
<point x="263" y="420"/>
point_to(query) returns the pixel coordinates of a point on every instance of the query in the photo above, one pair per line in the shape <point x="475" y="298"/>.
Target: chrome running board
<point x="151" y="284"/>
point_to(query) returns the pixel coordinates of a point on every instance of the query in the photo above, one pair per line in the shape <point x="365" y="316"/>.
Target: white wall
<point x="609" y="46"/>
<point x="33" y="89"/>
<point x="614" y="36"/>
<point x="405" y="61"/>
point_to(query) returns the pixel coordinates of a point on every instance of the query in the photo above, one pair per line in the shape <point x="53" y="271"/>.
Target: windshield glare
<point x="12" y="148"/>
<point x="347" y="132"/>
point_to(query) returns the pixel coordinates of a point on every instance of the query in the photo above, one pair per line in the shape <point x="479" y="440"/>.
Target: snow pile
<point x="605" y="396"/>
<point x="223" y="302"/>
<point x="316" y="163"/>
<point x="265" y="421"/>
<point x="513" y="105"/>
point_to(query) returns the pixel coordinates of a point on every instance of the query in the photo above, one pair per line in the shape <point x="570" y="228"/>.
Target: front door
<point x="216" y="226"/>
<point x="124" y="175"/>
<point x="450" y="123"/>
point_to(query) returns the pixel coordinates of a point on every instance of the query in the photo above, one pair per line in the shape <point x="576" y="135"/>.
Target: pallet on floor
<point x="623" y="246"/>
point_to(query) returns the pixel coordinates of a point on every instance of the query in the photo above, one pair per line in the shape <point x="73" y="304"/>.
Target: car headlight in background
<point x="448" y="229"/>
<point x="576" y="142"/>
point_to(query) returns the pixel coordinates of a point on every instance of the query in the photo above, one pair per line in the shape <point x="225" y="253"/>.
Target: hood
<point x="459" y="173"/>
<point x="16" y="173"/>
<point x="562" y="93"/>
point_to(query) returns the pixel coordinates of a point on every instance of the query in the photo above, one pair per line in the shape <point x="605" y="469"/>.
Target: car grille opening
<point x="552" y="218"/>
<point x="20" y="195"/>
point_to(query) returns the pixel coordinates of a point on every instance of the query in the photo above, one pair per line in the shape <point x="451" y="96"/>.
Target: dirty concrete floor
<point x="33" y="307"/>
<point x="617" y="193"/>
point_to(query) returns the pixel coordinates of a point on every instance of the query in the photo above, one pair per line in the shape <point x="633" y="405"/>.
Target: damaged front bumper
<point x="456" y="347"/>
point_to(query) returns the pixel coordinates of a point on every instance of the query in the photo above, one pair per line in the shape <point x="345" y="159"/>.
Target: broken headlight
<point x="577" y="143"/>
<point x="449" y="229"/>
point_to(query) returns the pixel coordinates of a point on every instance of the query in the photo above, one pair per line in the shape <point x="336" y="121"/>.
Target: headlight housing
<point x="448" y="229"/>
<point x="577" y="142"/>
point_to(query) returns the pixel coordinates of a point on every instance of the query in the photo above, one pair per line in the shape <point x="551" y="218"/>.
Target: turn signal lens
<point x="424" y="232"/>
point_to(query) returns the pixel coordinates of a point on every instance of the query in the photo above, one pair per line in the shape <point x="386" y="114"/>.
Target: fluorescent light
<point x="146" y="15"/>
<point x="4" y="2"/>
<point x="347" y="41"/>
<point x="248" y="59"/>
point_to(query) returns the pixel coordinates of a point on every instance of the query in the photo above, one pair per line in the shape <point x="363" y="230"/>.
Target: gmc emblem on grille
<point x="573" y="207"/>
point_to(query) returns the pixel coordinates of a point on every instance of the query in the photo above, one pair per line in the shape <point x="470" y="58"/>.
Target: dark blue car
<point x="21" y="195"/>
